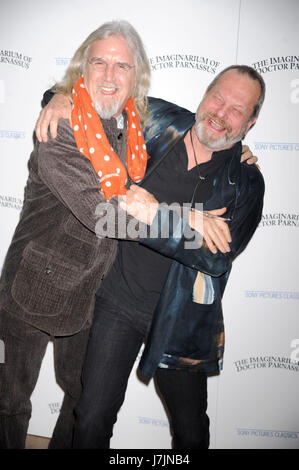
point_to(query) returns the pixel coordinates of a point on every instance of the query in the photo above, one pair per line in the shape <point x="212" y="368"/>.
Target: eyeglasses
<point x="119" y="68"/>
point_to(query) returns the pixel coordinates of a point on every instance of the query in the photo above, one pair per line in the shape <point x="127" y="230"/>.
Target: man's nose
<point x="221" y="111"/>
<point x="109" y="72"/>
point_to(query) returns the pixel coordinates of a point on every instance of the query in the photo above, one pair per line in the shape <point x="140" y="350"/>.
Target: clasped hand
<point x="139" y="203"/>
<point x="213" y="227"/>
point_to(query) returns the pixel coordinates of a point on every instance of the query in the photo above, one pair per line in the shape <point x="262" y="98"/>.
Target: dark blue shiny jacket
<point x="187" y="330"/>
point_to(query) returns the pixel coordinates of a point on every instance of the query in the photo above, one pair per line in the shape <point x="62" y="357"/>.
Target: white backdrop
<point x="254" y="402"/>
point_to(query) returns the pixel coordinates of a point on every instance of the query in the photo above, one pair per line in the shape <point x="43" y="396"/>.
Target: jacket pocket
<point x="44" y="284"/>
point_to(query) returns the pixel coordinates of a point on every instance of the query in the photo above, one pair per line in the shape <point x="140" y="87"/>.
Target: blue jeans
<point x="115" y="340"/>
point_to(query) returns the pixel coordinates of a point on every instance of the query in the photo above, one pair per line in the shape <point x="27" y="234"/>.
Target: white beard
<point x="106" y="112"/>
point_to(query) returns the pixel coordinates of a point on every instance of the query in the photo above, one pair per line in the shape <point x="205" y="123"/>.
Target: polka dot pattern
<point x="93" y="144"/>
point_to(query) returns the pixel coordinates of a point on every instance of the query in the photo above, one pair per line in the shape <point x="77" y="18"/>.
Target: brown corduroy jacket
<point x="55" y="262"/>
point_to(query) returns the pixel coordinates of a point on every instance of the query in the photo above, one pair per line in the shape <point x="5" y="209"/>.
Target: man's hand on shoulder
<point x="58" y="108"/>
<point x="248" y="157"/>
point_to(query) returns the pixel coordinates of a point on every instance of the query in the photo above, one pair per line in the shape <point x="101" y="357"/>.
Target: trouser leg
<point x="112" y="350"/>
<point x="185" y="395"/>
<point x="24" y="347"/>
<point x="69" y="354"/>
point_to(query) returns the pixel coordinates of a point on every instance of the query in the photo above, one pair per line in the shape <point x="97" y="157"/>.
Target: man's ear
<point x="250" y="125"/>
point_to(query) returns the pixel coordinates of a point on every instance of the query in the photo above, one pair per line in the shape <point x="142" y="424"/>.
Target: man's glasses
<point x="119" y="68"/>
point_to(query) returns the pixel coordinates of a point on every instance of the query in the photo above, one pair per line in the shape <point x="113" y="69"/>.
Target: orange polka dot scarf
<point x="92" y="142"/>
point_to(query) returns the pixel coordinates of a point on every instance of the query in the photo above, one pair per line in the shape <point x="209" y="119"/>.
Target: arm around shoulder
<point x="72" y="179"/>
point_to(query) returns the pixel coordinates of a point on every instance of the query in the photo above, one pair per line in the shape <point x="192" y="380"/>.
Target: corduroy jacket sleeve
<point x="71" y="178"/>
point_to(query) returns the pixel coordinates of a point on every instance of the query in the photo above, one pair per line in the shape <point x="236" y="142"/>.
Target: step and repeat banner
<point x="254" y="402"/>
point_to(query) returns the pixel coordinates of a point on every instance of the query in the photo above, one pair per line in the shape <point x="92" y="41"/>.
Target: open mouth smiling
<point x="216" y="125"/>
<point x="107" y="89"/>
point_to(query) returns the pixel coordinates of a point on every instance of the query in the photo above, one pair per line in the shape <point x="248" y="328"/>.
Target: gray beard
<point x="106" y="113"/>
<point x="217" y="144"/>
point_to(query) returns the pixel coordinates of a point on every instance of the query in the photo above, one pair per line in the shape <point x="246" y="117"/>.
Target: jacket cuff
<point x="48" y="95"/>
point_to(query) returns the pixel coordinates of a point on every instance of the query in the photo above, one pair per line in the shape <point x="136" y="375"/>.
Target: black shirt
<point x="136" y="278"/>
